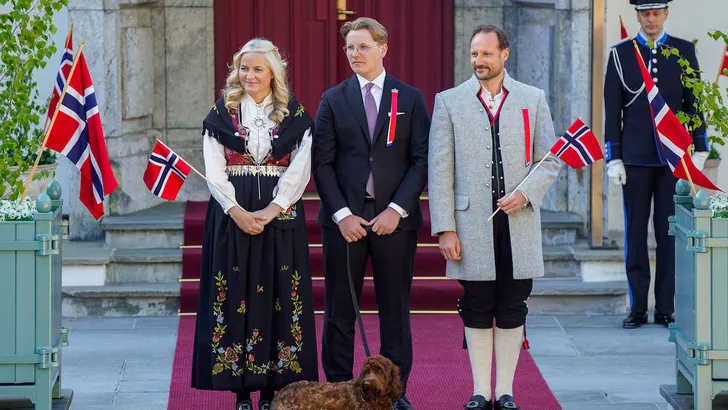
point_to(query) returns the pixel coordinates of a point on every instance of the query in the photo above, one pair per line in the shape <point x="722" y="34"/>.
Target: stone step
<point x="154" y="265"/>
<point x="121" y="299"/>
<point x="556" y="296"/>
<point x="158" y="227"/>
<point x="551" y="296"/>
<point x="560" y="228"/>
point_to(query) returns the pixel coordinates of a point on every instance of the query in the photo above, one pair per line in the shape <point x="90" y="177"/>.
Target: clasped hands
<point x="253" y="223"/>
<point x="352" y="226"/>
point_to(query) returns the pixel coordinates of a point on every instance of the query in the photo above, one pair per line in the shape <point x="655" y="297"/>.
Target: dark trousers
<point x="392" y="258"/>
<point x="645" y="184"/>
<point x="503" y="299"/>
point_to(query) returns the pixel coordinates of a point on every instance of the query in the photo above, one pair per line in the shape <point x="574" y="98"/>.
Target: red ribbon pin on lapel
<point x="392" y="117"/>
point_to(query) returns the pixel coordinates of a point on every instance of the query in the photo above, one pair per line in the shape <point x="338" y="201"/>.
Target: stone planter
<point x="700" y="331"/>
<point x="39" y="185"/>
<point x="30" y="303"/>
<point x="711" y="171"/>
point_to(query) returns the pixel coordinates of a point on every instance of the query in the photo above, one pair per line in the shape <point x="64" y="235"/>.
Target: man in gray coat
<point x="486" y="136"/>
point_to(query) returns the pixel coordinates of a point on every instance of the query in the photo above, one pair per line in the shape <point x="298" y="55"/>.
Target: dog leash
<point x="356" y="302"/>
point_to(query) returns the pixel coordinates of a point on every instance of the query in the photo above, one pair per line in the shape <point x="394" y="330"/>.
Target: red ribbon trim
<point x="527" y="136"/>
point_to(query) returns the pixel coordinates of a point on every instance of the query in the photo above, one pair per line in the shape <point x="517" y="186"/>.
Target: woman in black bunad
<point x="255" y="322"/>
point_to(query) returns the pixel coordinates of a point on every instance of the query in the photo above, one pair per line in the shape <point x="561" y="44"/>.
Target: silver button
<point x="237" y="134"/>
<point x="655" y="79"/>
<point x="654" y="70"/>
<point x="654" y="60"/>
<point x="487" y="146"/>
<point x="487" y="166"/>
<point x="487" y="185"/>
<point x="481" y="110"/>
<point x="654" y="51"/>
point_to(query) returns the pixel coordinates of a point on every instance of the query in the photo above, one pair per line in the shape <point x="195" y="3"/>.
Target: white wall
<point x="690" y="20"/>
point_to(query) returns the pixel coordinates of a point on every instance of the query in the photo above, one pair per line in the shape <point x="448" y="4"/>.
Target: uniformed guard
<point x="636" y="159"/>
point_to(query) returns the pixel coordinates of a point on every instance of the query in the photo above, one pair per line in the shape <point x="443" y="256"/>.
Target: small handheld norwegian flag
<point x="578" y="147"/>
<point x="166" y="172"/>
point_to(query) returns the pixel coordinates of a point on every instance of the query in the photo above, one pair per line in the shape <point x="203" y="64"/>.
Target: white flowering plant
<point x="14" y="210"/>
<point x="719" y="206"/>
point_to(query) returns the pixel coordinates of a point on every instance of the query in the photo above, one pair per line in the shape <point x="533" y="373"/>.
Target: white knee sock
<point x="480" y="349"/>
<point x="508" y="343"/>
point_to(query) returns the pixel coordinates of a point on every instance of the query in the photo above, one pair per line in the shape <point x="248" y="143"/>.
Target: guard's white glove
<point x="699" y="158"/>
<point x="617" y="173"/>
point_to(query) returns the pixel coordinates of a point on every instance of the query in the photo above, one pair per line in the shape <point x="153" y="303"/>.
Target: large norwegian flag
<point x="673" y="136"/>
<point x="77" y="134"/>
<point x="63" y="70"/>
<point x="578" y="147"/>
<point x="166" y="172"/>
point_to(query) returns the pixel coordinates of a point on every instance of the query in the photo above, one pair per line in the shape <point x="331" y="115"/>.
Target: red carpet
<point x="440" y="379"/>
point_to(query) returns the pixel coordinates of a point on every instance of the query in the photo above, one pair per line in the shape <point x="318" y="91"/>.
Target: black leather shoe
<point x="634" y="320"/>
<point x="506" y="402"/>
<point x="402" y="403"/>
<point x="663" y="319"/>
<point x="478" y="402"/>
<point x="244" y="405"/>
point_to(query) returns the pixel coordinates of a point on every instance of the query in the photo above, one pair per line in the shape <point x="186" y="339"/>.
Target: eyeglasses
<point x="361" y="49"/>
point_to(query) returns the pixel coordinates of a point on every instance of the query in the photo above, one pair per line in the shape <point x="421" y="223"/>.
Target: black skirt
<point x="255" y="321"/>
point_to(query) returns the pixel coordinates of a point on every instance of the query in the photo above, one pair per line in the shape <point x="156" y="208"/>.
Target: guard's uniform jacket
<point x="629" y="130"/>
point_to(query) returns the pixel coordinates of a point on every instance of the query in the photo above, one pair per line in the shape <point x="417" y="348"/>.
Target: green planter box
<point x="31" y="335"/>
<point x="700" y="331"/>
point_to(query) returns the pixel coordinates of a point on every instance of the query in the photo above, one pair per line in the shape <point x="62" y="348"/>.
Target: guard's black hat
<point x="649" y="4"/>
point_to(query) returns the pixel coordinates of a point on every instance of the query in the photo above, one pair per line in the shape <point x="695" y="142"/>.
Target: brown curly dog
<point x="375" y="389"/>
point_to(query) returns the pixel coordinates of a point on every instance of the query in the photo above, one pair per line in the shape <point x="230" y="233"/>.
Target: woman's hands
<point x="268" y="213"/>
<point x="246" y="221"/>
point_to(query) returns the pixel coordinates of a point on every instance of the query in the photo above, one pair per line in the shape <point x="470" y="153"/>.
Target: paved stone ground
<point x="589" y="362"/>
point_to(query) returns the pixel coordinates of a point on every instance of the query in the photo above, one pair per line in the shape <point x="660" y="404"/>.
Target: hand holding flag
<point x="578" y="147"/>
<point x="166" y="172"/>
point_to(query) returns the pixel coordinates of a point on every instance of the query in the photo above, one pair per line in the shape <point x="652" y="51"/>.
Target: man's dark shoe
<point x="244" y="405"/>
<point x="478" y="402"/>
<point x="663" y="319"/>
<point x="634" y="320"/>
<point x="506" y="402"/>
<point x="402" y="403"/>
<point x="264" y="405"/>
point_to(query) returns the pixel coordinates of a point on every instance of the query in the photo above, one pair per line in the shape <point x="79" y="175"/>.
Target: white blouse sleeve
<point x="215" y="162"/>
<point x="293" y="181"/>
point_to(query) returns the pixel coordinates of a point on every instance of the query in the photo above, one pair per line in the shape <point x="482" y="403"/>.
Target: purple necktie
<point x="370" y="106"/>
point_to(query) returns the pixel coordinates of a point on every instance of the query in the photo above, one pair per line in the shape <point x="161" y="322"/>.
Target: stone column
<point x="152" y="66"/>
<point x="550" y="49"/>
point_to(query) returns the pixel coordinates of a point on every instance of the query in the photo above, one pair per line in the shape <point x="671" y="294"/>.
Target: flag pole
<point x="524" y="180"/>
<point x="690" y="178"/>
<point x="722" y="61"/>
<point x="53" y="120"/>
<point x="48" y="117"/>
<point x="203" y="177"/>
